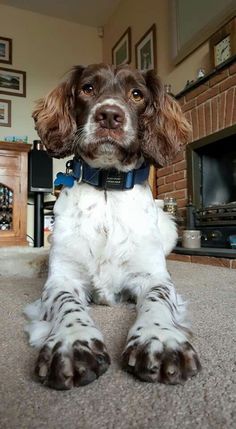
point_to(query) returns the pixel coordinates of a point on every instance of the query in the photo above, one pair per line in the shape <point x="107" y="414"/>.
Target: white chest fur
<point x="106" y="238"/>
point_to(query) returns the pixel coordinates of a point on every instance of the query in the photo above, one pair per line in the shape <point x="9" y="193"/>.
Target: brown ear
<point x="54" y="116"/>
<point x="164" y="126"/>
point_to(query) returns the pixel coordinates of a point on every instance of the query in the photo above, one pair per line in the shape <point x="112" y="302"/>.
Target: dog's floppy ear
<point x="54" y="116"/>
<point x="164" y="126"/>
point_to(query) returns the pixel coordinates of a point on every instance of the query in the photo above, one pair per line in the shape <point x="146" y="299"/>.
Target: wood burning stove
<point x="211" y="171"/>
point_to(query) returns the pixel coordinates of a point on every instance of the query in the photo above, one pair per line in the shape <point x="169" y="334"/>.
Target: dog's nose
<point x="110" y="117"/>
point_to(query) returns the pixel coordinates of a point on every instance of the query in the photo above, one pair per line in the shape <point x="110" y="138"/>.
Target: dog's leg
<point x="157" y="347"/>
<point x="72" y="351"/>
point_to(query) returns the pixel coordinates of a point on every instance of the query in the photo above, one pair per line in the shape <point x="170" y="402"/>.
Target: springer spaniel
<point x="110" y="238"/>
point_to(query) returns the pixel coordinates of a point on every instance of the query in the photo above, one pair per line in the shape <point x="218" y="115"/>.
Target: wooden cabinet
<point x="13" y="193"/>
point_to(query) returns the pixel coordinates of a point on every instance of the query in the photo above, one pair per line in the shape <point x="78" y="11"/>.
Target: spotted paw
<point x="61" y="367"/>
<point x="153" y="361"/>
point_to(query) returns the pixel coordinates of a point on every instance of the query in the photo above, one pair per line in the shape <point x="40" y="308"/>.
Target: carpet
<point x="117" y="400"/>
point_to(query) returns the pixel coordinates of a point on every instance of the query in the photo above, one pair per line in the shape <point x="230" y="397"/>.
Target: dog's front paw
<point x="154" y="361"/>
<point x="64" y="366"/>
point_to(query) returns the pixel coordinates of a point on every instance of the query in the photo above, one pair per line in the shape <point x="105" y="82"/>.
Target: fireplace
<point x="211" y="174"/>
<point x="205" y="171"/>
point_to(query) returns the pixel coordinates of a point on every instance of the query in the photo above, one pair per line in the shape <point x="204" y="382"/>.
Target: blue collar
<point x="101" y="178"/>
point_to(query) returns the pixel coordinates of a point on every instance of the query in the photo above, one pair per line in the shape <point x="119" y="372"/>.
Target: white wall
<point x="45" y="48"/>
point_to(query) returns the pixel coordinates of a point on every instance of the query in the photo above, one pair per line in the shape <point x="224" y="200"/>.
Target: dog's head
<point x="111" y="117"/>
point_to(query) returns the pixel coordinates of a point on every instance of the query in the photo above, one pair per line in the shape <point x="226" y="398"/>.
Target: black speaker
<point x="40" y="169"/>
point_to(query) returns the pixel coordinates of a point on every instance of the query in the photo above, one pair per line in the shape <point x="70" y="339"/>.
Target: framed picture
<point x="145" y="51"/>
<point x="5" y="50"/>
<point x="5" y="113"/>
<point x="12" y="82"/>
<point x="121" y="52"/>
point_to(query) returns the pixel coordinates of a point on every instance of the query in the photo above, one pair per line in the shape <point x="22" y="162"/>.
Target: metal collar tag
<point x="112" y="179"/>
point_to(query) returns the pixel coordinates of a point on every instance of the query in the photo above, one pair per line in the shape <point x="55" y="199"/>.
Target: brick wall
<point x="209" y="107"/>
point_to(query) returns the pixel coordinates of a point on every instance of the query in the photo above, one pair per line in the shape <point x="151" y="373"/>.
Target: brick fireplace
<point x="210" y="106"/>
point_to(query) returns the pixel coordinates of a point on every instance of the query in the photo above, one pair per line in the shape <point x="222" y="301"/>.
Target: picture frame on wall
<point x="5" y="50"/>
<point x="5" y="113"/>
<point x="121" y="51"/>
<point x="12" y="82"/>
<point x="145" y="51"/>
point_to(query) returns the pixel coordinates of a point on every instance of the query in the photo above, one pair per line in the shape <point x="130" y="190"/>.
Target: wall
<point x="140" y="15"/>
<point x="45" y="48"/>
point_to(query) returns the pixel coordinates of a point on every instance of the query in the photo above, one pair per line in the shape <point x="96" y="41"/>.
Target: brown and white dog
<point x="110" y="243"/>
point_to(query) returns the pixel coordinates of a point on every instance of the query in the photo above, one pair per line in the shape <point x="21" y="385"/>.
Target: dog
<point x="110" y="238"/>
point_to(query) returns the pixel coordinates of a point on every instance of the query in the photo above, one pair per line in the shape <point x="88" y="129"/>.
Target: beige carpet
<point x="116" y="400"/>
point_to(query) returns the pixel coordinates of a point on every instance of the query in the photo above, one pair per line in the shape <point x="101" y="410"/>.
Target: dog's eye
<point x="88" y="89"/>
<point x="136" y="95"/>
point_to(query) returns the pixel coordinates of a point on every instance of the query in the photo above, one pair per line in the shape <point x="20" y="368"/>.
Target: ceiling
<point x="94" y="13"/>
